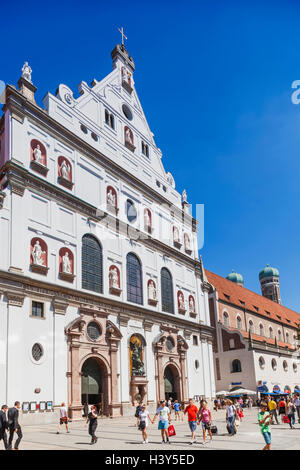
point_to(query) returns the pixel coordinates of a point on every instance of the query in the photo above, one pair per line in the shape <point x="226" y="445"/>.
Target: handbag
<point x="285" y="419"/>
<point x="237" y="423"/>
<point x="214" y="429"/>
<point x="171" y="430"/>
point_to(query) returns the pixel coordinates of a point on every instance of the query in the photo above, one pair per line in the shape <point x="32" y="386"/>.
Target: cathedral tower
<point x="269" y="281"/>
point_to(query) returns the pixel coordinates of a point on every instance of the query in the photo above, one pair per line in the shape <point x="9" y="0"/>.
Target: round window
<point x="127" y="112"/>
<point x="37" y="352"/>
<point x="93" y="331"/>
<point x="170" y="343"/>
<point x="131" y="211"/>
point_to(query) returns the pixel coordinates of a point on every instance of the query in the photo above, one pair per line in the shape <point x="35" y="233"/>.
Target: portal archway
<point x="94" y="384"/>
<point x="172" y="383"/>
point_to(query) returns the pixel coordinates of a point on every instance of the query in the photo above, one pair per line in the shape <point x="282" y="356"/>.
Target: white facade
<point x="39" y="205"/>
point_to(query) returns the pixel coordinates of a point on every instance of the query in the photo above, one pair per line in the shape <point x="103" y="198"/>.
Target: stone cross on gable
<point x="123" y="35"/>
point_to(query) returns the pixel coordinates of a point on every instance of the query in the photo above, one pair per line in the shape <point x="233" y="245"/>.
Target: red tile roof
<point x="230" y="292"/>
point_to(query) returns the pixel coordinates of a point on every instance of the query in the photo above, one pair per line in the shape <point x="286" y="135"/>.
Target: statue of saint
<point x="114" y="278"/>
<point x="181" y="301"/>
<point x="176" y="235"/>
<point x="187" y="242"/>
<point x="151" y="291"/>
<point x="66" y="263"/>
<point x="26" y="72"/>
<point x="65" y="170"/>
<point x="147" y="219"/>
<point x="138" y="367"/>
<point x="191" y="305"/>
<point x="111" y="198"/>
<point x="128" y="136"/>
<point x="37" y="153"/>
<point x="37" y="254"/>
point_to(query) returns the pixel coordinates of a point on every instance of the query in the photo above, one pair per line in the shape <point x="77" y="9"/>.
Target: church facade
<point x="103" y="298"/>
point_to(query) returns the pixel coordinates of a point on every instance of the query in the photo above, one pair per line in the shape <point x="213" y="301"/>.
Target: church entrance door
<point x="92" y="384"/>
<point x="169" y="380"/>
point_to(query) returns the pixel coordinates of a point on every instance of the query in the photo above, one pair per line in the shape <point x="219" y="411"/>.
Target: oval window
<point x="131" y="211"/>
<point x="93" y="331"/>
<point x="37" y="352"/>
<point x="127" y="112"/>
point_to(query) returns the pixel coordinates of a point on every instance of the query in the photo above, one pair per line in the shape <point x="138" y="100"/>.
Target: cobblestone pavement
<point x="121" y="434"/>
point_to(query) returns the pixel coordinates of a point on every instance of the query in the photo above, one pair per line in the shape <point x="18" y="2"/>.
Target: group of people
<point x="9" y="426"/>
<point x="244" y="402"/>
<point x="163" y="413"/>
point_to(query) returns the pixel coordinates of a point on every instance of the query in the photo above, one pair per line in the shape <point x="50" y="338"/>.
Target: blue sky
<point x="214" y="79"/>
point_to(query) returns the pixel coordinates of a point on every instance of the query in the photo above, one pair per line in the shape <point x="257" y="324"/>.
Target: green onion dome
<point x="235" y="277"/>
<point x="268" y="271"/>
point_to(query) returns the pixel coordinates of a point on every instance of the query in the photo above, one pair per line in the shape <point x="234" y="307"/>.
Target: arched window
<point x="236" y="365"/>
<point x="167" y="302"/>
<point x="226" y="319"/>
<point x="274" y="364"/>
<point x="287" y="338"/>
<point x="261" y="329"/>
<point x="134" y="279"/>
<point x="279" y="335"/>
<point x="271" y="332"/>
<point x="239" y="323"/>
<point x="251" y="326"/>
<point x="91" y="262"/>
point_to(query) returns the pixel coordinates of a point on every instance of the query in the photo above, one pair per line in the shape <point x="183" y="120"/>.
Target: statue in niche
<point x="147" y="219"/>
<point x="65" y="170"/>
<point x="66" y="263"/>
<point x="26" y="72"/>
<point x="137" y="365"/>
<point x="187" y="242"/>
<point x="128" y="136"/>
<point x="181" y="301"/>
<point x="114" y="278"/>
<point x="176" y="235"/>
<point x="111" y="198"/>
<point x="37" y="154"/>
<point x="191" y="305"/>
<point x="126" y="76"/>
<point x="184" y="196"/>
<point x="151" y="290"/>
<point x="37" y="254"/>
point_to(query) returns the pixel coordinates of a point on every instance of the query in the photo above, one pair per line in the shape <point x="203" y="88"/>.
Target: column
<point x="115" y="406"/>
<point x="150" y="363"/>
<point x="124" y="366"/>
<point x="17" y="250"/>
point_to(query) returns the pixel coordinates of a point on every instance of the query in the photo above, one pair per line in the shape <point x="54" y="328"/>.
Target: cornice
<point x="19" y="284"/>
<point x="18" y="104"/>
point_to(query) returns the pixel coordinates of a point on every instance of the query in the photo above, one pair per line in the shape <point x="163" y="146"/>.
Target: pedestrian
<point x="177" y="410"/>
<point x="192" y="412"/>
<point x="264" y="419"/>
<point x="93" y="423"/>
<point x="144" y="416"/>
<point x="231" y="415"/>
<point x="63" y="418"/>
<point x="290" y="413"/>
<point x="14" y="426"/>
<point x="273" y="412"/>
<point x="216" y="403"/>
<point x="205" y="419"/>
<point x="281" y="408"/>
<point x="3" y="425"/>
<point x="297" y="405"/>
<point x="170" y="405"/>
<point x="137" y="412"/>
<point x="164" y="421"/>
